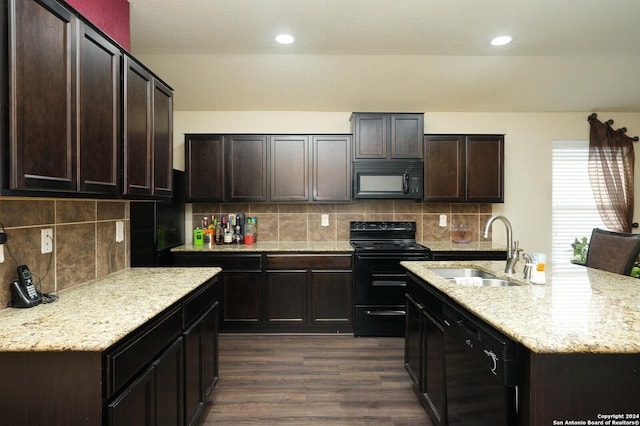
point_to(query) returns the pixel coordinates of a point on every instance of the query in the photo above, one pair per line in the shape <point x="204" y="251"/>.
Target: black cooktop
<point x="384" y="236"/>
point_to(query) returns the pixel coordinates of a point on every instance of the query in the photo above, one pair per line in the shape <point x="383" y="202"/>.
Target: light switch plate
<point x="324" y="220"/>
<point x="443" y="220"/>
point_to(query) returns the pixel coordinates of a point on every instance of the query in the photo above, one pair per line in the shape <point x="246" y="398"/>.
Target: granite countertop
<point x="579" y="310"/>
<point x="95" y="315"/>
<point x="321" y="246"/>
<point x="262" y="247"/>
<point x="451" y="246"/>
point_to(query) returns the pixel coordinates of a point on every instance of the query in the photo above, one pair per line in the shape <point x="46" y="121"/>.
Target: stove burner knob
<point x="383" y="225"/>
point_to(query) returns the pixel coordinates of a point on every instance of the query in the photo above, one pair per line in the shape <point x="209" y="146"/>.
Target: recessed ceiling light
<point x="501" y="41"/>
<point x="285" y="39"/>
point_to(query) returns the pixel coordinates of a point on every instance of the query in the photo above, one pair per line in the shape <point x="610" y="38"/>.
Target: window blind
<point x="574" y="212"/>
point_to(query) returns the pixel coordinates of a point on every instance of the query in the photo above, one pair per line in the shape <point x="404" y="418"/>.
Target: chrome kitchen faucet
<point x="512" y="246"/>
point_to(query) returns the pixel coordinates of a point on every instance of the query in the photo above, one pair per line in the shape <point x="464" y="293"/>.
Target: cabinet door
<point x="42" y="57"/>
<point x="138" y="153"/>
<point x="169" y="384"/>
<point x="331" y="301"/>
<point x="286" y="297"/>
<point x="246" y="168"/>
<point x="136" y="404"/>
<point x="162" y="140"/>
<point x="242" y="300"/>
<point x="407" y="132"/>
<point x="485" y="169"/>
<point x="210" y="348"/>
<point x="204" y="163"/>
<point x="194" y="390"/>
<point x="289" y="168"/>
<point x="433" y="368"/>
<point x="99" y="113"/>
<point x="413" y="341"/>
<point x="370" y="132"/>
<point x="331" y="171"/>
<point x="444" y="168"/>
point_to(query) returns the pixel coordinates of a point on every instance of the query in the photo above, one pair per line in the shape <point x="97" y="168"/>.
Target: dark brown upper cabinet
<point x="162" y="139"/>
<point x="204" y="165"/>
<point x="331" y="168"/>
<point x="246" y="174"/>
<point x="99" y="113"/>
<point x="42" y="94"/>
<point x="138" y="148"/>
<point x="387" y="135"/>
<point x="299" y="168"/>
<point x="76" y="124"/>
<point x="148" y="136"/>
<point x="289" y="168"/>
<point x="464" y="168"/>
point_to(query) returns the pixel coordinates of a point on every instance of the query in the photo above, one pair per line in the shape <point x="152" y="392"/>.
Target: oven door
<point x="379" y="279"/>
<point x="387" y="180"/>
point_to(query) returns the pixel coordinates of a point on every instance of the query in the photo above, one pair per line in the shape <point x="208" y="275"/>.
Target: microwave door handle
<point x="405" y="183"/>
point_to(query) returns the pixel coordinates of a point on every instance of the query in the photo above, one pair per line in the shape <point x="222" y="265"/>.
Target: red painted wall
<point x="111" y="16"/>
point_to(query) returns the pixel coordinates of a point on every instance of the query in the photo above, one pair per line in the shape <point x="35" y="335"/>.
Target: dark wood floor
<point x="312" y="380"/>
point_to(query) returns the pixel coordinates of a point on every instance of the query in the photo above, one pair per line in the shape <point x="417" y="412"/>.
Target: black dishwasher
<point x="481" y="375"/>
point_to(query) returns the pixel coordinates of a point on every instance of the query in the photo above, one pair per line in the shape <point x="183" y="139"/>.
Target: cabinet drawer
<point x="306" y="261"/>
<point x="140" y="348"/>
<point x="228" y="262"/>
<point x="197" y="304"/>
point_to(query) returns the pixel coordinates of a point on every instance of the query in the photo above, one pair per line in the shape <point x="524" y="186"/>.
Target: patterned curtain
<point x="611" y="164"/>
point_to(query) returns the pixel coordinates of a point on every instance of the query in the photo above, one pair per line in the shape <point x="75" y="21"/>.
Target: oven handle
<point x="398" y="258"/>
<point x="387" y="283"/>
<point x="385" y="313"/>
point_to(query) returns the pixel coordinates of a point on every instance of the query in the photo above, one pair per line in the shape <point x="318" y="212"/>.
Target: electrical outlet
<point x="46" y="240"/>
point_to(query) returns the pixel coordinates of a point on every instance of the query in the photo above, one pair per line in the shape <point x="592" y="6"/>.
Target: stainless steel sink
<point x="472" y="277"/>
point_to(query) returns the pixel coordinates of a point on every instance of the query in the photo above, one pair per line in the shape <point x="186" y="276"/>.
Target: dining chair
<point x="613" y="251"/>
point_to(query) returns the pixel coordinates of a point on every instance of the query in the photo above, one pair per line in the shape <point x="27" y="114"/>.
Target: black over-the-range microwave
<point x="388" y="179"/>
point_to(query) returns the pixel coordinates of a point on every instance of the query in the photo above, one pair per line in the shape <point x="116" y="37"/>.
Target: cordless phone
<point x="23" y="292"/>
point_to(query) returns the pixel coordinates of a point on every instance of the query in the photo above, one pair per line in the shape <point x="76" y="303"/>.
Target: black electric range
<point x="379" y="280"/>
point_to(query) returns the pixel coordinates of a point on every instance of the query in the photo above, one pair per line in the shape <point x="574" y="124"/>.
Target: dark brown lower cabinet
<point x="155" y="397"/>
<point x="293" y="292"/>
<point x="201" y="362"/>
<point x="309" y="292"/>
<point x="424" y="350"/>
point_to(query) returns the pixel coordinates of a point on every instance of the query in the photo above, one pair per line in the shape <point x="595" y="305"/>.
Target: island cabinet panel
<point x="146" y="377"/>
<point x="387" y="135"/>
<point x="42" y="82"/>
<point x="27" y="401"/>
<point x="464" y="168"/>
<point x="580" y="386"/>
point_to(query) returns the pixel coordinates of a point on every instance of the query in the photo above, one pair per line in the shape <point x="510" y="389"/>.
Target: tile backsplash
<point x="302" y="222"/>
<point x="84" y="246"/>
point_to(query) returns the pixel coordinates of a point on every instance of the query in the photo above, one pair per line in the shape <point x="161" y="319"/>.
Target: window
<point x="574" y="212"/>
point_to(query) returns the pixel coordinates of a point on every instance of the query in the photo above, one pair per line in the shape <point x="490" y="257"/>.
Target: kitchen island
<point x="578" y="338"/>
<point x="117" y="349"/>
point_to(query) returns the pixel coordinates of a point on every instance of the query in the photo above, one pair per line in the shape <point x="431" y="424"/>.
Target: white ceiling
<point x="393" y="55"/>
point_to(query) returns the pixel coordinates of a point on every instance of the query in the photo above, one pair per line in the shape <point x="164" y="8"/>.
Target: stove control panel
<point x="383" y="226"/>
